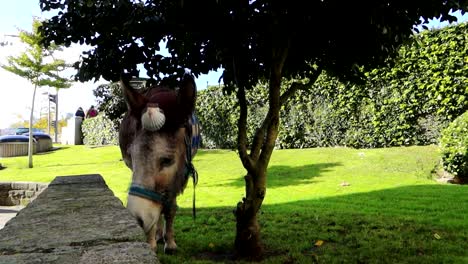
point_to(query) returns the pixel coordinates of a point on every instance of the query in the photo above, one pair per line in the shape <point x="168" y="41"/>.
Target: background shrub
<point x="407" y="102"/>
<point x="99" y="130"/>
<point x="217" y="115"/>
<point x="454" y="147"/>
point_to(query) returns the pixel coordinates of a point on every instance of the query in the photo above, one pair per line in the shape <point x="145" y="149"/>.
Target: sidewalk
<point x="8" y="212"/>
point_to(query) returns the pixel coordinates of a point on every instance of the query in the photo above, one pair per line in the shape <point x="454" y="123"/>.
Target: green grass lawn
<point x="366" y="206"/>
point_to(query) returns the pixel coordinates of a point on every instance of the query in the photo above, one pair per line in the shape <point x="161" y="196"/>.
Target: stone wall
<point x="77" y="219"/>
<point x="19" y="193"/>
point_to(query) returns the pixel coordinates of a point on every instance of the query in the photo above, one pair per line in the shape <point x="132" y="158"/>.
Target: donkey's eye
<point x="166" y="161"/>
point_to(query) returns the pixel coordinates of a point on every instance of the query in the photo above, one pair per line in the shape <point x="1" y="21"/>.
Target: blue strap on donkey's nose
<point x="143" y="192"/>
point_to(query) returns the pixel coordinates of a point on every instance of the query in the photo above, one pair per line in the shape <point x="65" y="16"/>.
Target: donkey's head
<point x="152" y="141"/>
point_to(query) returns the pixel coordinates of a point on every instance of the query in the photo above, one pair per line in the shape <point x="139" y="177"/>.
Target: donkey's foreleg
<point x="160" y="231"/>
<point x="170" y="245"/>
<point x="150" y="237"/>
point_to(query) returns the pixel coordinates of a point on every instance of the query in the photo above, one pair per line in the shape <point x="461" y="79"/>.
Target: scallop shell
<point x="153" y="119"/>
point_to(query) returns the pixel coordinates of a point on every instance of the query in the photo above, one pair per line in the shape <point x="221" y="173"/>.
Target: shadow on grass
<point x="82" y="164"/>
<point x="53" y="150"/>
<point x="411" y="224"/>
<point x="203" y="152"/>
<point x="280" y="176"/>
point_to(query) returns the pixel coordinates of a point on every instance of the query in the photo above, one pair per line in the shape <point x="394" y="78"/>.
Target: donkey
<point x="158" y="139"/>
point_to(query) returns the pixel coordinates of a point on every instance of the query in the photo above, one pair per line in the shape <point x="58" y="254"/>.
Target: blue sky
<point x="16" y="93"/>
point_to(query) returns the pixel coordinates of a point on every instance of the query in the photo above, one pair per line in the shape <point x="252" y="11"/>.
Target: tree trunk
<point x="30" y="142"/>
<point x="248" y="243"/>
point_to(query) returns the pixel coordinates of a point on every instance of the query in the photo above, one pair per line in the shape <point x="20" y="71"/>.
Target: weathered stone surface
<point x="126" y="252"/>
<point x="119" y="253"/>
<point x="77" y="219"/>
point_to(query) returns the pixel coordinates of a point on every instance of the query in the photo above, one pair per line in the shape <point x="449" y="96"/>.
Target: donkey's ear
<point x="187" y="94"/>
<point x="135" y="101"/>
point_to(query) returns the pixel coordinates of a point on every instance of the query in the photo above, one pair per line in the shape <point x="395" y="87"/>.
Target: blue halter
<point x="143" y="192"/>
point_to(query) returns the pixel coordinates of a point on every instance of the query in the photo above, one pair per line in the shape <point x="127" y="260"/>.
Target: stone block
<point x="29" y="194"/>
<point x="77" y="219"/>
<point x="19" y="185"/>
<point x="81" y="179"/>
<point x="32" y="186"/>
<point x="5" y="186"/>
<point x="16" y="193"/>
<point x="10" y="201"/>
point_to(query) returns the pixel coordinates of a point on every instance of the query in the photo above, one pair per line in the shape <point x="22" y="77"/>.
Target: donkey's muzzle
<point x="145" y="211"/>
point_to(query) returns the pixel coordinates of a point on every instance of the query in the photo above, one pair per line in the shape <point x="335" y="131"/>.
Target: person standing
<point x="80" y="112"/>
<point x="92" y="112"/>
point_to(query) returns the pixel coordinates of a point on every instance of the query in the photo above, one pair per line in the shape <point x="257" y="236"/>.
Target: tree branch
<point x="279" y="58"/>
<point x="259" y="138"/>
<point x="242" y="124"/>
<point x="295" y="86"/>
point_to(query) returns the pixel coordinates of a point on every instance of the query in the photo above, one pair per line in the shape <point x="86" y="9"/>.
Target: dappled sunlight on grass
<point x="410" y="224"/>
<point x="293" y="175"/>
<point x="282" y="176"/>
<point x="371" y="205"/>
<point x="396" y="223"/>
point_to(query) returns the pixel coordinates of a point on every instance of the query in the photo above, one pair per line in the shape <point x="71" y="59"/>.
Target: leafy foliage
<point x="388" y="110"/>
<point x="428" y="82"/>
<point x="99" y="130"/>
<point x="395" y="106"/>
<point x="248" y="30"/>
<point x="33" y="64"/>
<point x="454" y="147"/>
<point x="110" y="101"/>
<point x="217" y="115"/>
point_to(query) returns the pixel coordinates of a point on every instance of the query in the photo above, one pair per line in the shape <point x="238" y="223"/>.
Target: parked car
<point x="22" y="130"/>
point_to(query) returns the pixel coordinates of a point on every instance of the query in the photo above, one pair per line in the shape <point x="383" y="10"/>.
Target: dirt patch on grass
<point x="230" y="256"/>
<point x="224" y="257"/>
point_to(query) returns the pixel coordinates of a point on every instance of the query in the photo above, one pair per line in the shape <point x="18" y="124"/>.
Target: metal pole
<point x="56" y="116"/>
<point x="31" y="117"/>
<point x="48" y="113"/>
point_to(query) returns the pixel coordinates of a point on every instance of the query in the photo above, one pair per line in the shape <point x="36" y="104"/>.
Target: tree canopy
<point x="37" y="64"/>
<point x="240" y="36"/>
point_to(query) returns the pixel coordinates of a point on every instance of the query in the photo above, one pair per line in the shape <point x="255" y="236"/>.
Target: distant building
<point x="139" y="83"/>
